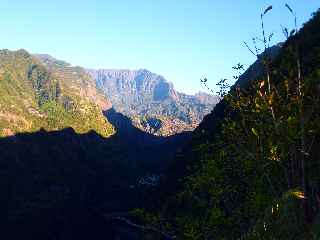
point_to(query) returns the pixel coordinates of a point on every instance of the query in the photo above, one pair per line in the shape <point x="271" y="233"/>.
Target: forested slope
<point x="34" y="96"/>
<point x="252" y="168"/>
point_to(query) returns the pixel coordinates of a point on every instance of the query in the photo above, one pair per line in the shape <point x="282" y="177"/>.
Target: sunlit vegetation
<point x="256" y="176"/>
<point x="32" y="96"/>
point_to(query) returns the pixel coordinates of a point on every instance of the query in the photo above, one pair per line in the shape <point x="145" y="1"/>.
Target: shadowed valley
<point x="54" y="184"/>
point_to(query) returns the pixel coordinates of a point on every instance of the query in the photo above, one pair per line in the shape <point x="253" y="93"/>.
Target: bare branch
<point x="267" y="9"/>
<point x="249" y="49"/>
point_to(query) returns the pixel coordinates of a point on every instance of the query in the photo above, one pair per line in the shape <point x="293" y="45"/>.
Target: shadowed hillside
<point x="251" y="169"/>
<point x="54" y="184"/>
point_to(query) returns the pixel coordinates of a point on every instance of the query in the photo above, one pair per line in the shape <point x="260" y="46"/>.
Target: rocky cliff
<point x="143" y="94"/>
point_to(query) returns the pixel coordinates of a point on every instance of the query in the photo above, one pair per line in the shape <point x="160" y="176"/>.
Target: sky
<point x="182" y="40"/>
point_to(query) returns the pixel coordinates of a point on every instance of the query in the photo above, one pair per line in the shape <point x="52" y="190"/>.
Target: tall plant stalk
<point x="265" y="58"/>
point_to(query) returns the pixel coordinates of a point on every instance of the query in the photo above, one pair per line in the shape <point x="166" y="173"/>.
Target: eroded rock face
<point x="138" y="94"/>
<point x="77" y="79"/>
<point x="142" y="94"/>
<point x="161" y="125"/>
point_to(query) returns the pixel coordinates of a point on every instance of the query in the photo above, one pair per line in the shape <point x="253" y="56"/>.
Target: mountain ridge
<point x="143" y="94"/>
<point x="139" y="94"/>
<point x="34" y="95"/>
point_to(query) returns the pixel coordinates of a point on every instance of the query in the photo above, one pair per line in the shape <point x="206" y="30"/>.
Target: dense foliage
<point x="257" y="176"/>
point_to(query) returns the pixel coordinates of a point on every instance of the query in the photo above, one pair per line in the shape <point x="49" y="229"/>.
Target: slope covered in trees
<point x="34" y="96"/>
<point x="252" y="168"/>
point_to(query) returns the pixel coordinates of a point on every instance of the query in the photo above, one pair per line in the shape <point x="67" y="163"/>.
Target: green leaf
<point x="255" y="132"/>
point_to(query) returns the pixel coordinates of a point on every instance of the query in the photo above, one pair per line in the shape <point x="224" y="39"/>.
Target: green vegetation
<point x="34" y="96"/>
<point x="257" y="175"/>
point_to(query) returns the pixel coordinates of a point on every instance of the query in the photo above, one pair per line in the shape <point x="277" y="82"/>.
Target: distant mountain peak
<point x="145" y="94"/>
<point x="137" y="94"/>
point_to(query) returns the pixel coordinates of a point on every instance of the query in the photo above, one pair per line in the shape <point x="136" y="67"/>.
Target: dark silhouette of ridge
<point x="51" y="181"/>
<point x="126" y="129"/>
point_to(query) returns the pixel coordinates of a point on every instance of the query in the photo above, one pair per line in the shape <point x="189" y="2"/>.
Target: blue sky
<point x="183" y="40"/>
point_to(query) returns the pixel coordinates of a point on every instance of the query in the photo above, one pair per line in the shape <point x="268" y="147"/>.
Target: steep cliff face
<point x="76" y="79"/>
<point x="142" y="93"/>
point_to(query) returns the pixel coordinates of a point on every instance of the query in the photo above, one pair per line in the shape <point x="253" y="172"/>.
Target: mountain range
<point x="52" y="86"/>
<point x="103" y="154"/>
<point x="148" y="99"/>
<point x="151" y="101"/>
<point x="66" y="156"/>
